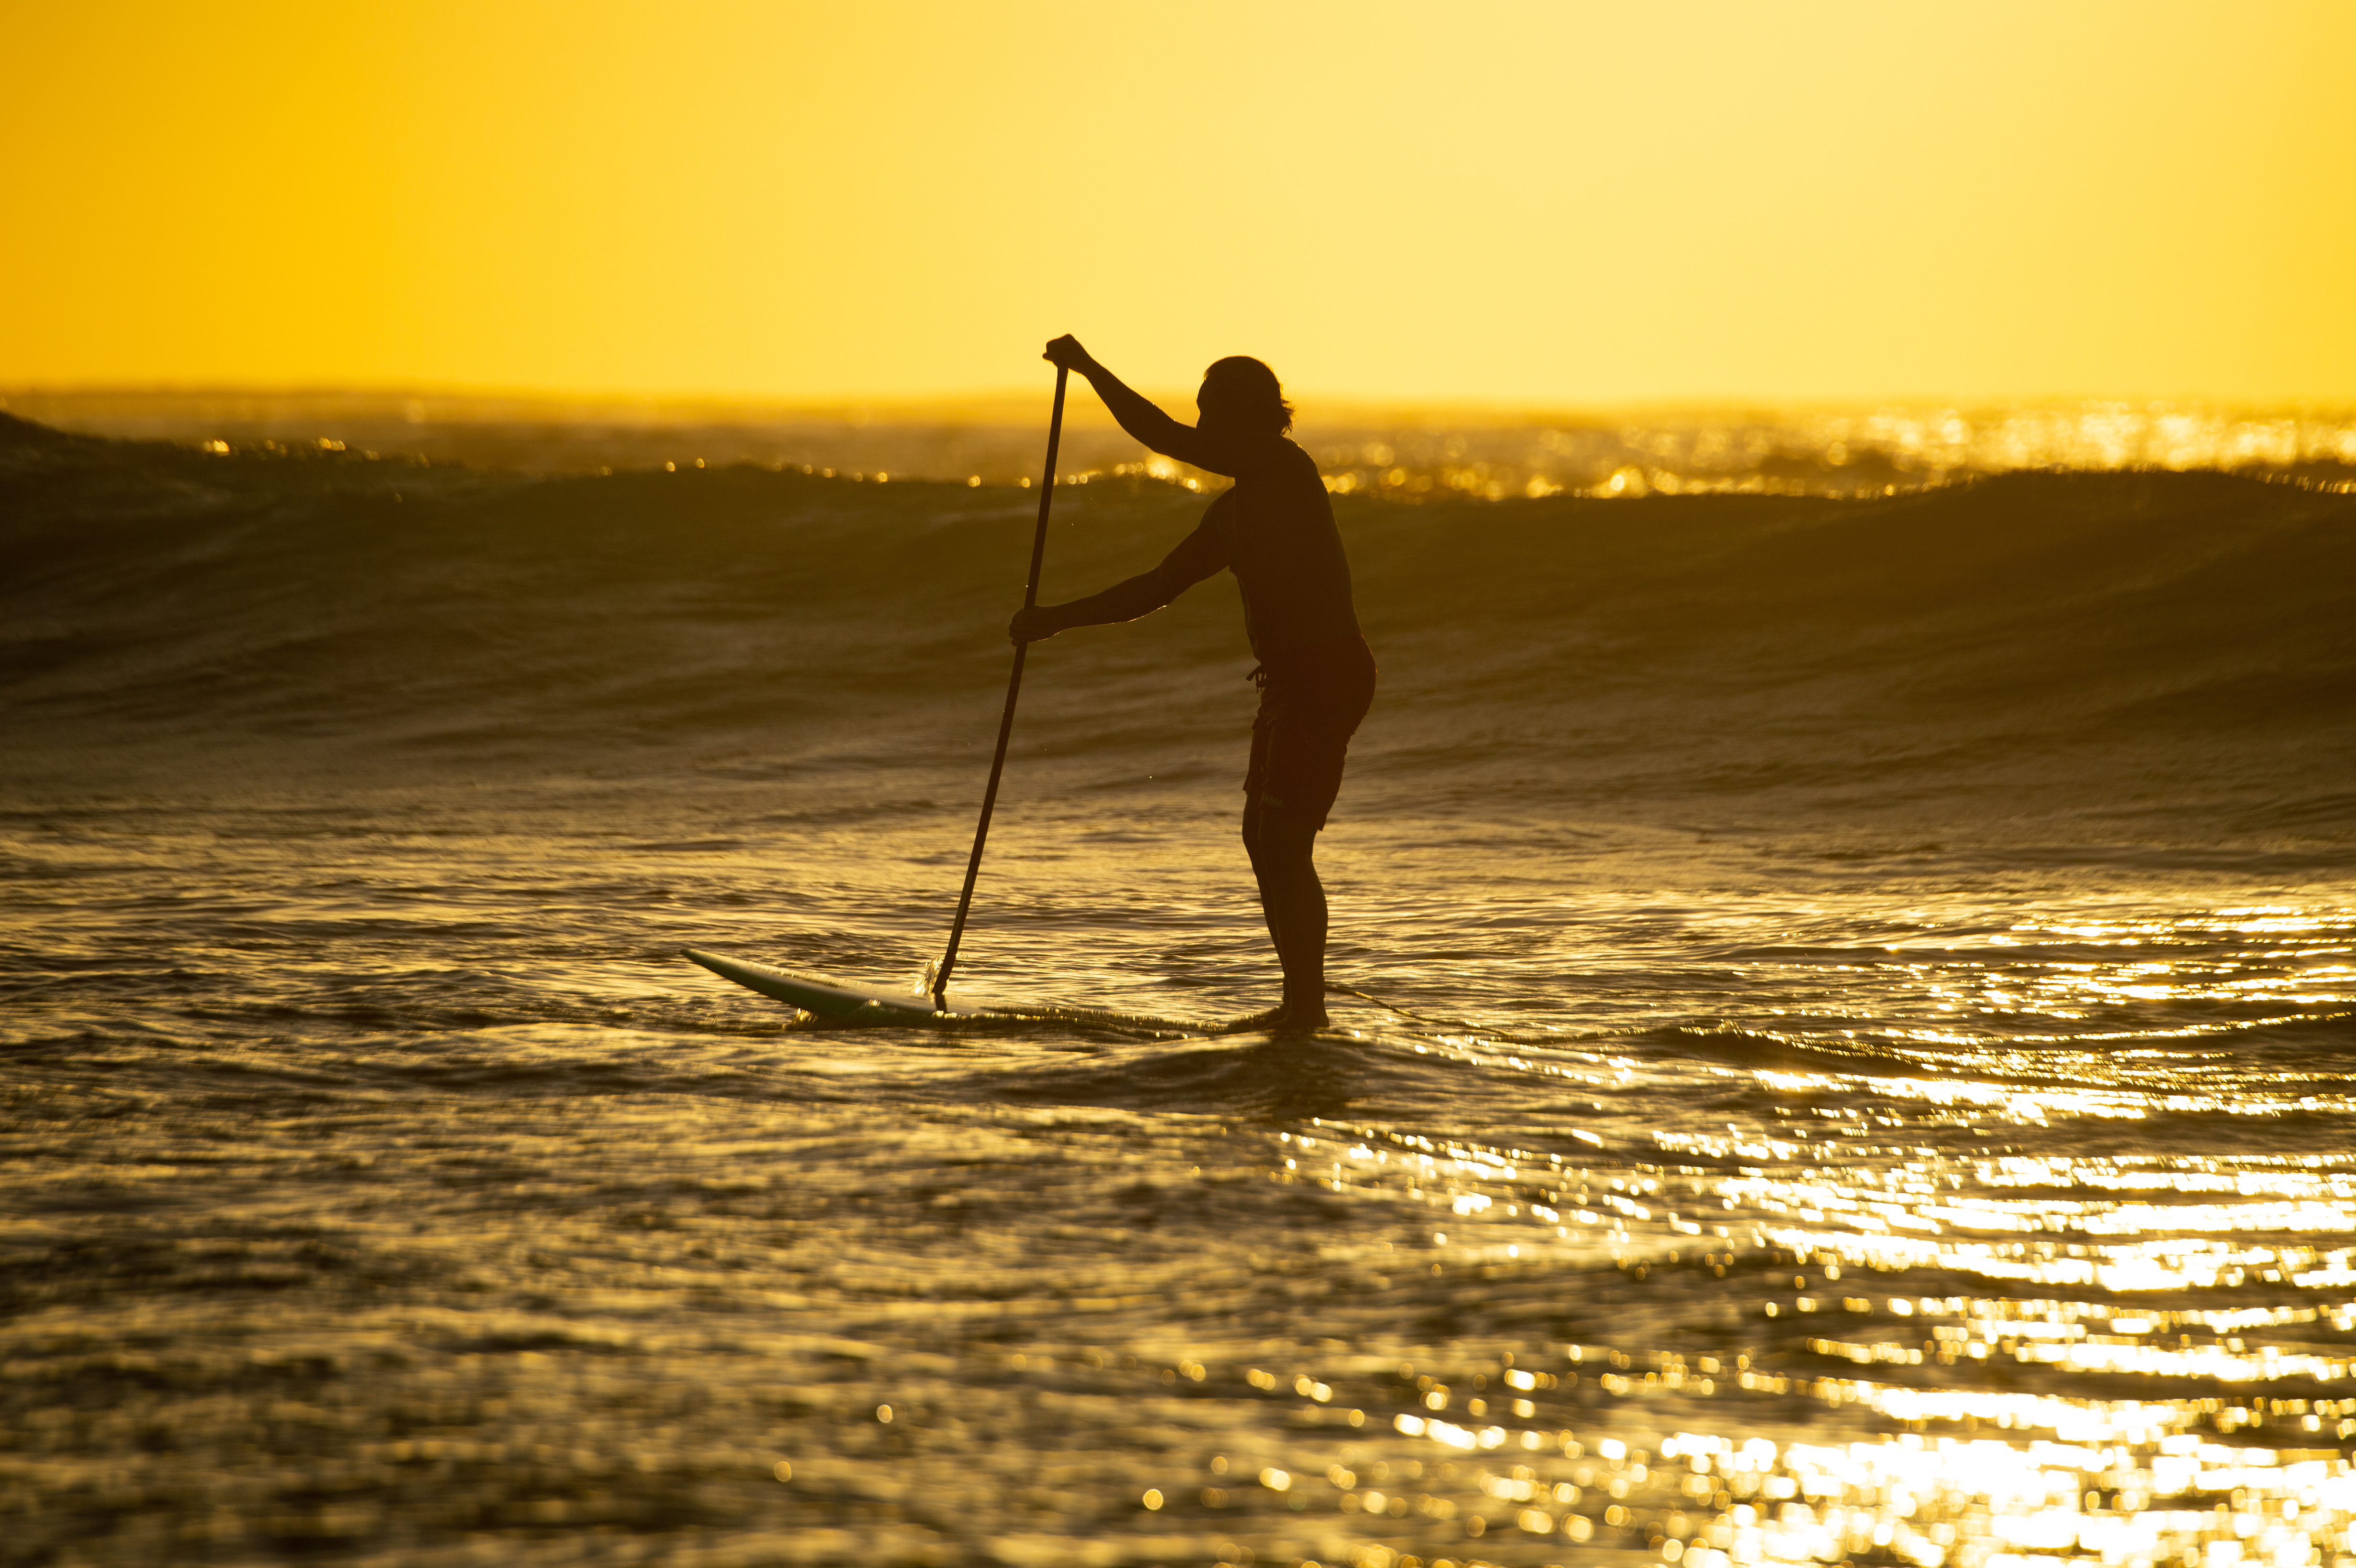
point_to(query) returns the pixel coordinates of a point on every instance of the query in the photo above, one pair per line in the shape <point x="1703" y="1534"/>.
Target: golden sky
<point x="1562" y="201"/>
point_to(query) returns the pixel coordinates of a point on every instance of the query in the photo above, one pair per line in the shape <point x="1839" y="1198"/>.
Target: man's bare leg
<point x="1292" y="899"/>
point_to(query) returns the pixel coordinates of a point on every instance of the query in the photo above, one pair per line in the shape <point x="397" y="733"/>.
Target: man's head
<point x="1240" y="393"/>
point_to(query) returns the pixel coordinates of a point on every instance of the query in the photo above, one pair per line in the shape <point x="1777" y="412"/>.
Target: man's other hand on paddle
<point x="1034" y="624"/>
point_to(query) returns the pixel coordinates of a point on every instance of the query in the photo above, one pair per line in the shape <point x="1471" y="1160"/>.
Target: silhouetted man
<point x="1274" y="529"/>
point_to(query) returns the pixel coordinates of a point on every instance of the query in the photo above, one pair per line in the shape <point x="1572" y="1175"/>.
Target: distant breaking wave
<point x="2170" y="653"/>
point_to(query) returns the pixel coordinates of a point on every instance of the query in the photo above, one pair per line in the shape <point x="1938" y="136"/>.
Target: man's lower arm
<point x="1138" y="415"/>
<point x="1127" y="601"/>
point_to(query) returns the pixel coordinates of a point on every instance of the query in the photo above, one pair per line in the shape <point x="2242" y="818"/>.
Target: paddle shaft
<point x="1013" y="691"/>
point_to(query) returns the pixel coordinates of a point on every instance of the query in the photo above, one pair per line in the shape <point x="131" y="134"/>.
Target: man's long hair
<point x="1255" y="389"/>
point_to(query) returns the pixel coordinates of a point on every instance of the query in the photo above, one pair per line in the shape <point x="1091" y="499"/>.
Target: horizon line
<point x="1008" y="399"/>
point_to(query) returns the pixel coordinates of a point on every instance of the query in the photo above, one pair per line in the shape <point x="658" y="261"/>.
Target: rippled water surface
<point x="383" y="1188"/>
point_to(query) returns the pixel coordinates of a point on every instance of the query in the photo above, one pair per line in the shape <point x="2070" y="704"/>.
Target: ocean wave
<point x="2184" y="638"/>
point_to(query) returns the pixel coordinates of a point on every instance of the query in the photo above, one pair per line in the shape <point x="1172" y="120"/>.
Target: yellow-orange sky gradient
<point x="1519" y="202"/>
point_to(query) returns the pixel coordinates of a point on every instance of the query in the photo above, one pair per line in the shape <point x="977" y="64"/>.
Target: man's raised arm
<point x="1146" y="425"/>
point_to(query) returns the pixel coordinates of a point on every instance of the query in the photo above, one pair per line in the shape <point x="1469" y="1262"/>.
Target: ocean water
<point x="1846" y="1057"/>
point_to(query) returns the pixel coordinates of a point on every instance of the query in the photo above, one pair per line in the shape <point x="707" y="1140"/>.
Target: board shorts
<point x="1310" y="703"/>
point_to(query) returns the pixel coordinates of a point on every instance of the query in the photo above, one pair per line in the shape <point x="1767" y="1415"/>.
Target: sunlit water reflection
<point x="382" y="1189"/>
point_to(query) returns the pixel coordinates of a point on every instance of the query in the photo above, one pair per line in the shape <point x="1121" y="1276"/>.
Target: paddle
<point x="1013" y="689"/>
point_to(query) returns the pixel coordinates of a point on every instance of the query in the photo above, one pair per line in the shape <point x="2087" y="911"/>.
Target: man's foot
<point x="1287" y="1019"/>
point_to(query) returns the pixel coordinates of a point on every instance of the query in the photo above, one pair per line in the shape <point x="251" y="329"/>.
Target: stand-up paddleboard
<point x="849" y="1005"/>
<point x="823" y="998"/>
